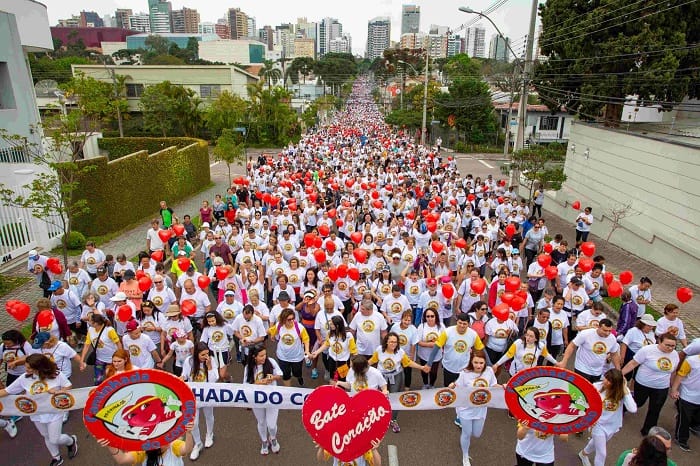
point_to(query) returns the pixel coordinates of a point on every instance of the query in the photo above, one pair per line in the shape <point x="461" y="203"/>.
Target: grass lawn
<point x="9" y="283"/>
<point x="615" y="303"/>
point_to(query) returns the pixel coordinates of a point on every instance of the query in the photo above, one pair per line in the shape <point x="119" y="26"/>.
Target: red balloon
<point x="52" y="262"/>
<point x="339" y="222"/>
<point x="332" y="213"/>
<point x="438" y="200"/>
<point x="501" y="311"/>
<point x="588" y="248"/>
<point x="274" y="200"/>
<point x="343" y="270"/>
<point x="188" y="307"/>
<point x="221" y="272"/>
<point x="437" y="246"/>
<point x="548" y="248"/>
<point x="145" y="283"/>
<point x="551" y="272"/>
<point x="56" y="269"/>
<point x="164" y="235"/>
<point x="517" y="303"/>
<point x="349" y="183"/>
<point x="364" y="186"/>
<point x="318" y="241"/>
<point x="360" y="255"/>
<point x="375" y="195"/>
<point x="576" y="205"/>
<point x="140" y="274"/>
<point x="432" y="226"/>
<point x="461" y="243"/>
<point x="507" y="297"/>
<point x="183" y="263"/>
<point x="684" y="294"/>
<point x="373" y="184"/>
<point x="608" y="277"/>
<point x="330" y="246"/>
<point x="313" y="197"/>
<point x="377" y="204"/>
<point x="615" y="289"/>
<point x="179" y="229"/>
<point x="354" y="273"/>
<point x="478" y="286"/>
<point x="266" y="197"/>
<point x="309" y="239"/>
<point x="333" y="274"/>
<point x="586" y="264"/>
<point x="203" y="281"/>
<point x="453" y="202"/>
<point x="544" y="260"/>
<point x="522" y="294"/>
<point x="512" y="284"/>
<point x="324" y="230"/>
<point x="124" y="313"/>
<point x="157" y="256"/>
<point x="410" y="215"/>
<point x="626" y="277"/>
<point x="471" y="197"/>
<point x="448" y="290"/>
<point x="510" y="230"/>
<point x="18" y="309"/>
<point x="320" y="255"/>
<point x="431" y="204"/>
<point x="45" y="318"/>
<point x="500" y="199"/>
<point x="356" y="237"/>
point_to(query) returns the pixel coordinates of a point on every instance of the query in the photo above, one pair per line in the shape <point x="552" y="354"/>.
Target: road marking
<point x="217" y="163"/>
<point x="484" y="163"/>
<point x="393" y="455"/>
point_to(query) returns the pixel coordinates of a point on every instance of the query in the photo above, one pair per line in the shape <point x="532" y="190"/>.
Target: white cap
<point x="120" y="296"/>
<point x="33" y="253"/>
<point x="205" y="224"/>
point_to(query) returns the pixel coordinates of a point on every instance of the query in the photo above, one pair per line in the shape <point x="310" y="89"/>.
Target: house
<point x="542" y="127"/>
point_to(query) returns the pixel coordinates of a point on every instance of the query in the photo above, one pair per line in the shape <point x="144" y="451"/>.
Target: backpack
<point x="279" y="326"/>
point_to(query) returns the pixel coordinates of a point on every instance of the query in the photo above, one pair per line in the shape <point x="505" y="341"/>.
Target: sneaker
<point x="683" y="446"/>
<point x="209" y="440"/>
<point x="195" y="451"/>
<point x="584" y="458"/>
<point x="308" y="363"/>
<point x="16" y="419"/>
<point x="11" y="428"/>
<point x="314" y="374"/>
<point x="274" y="445"/>
<point x="458" y="422"/>
<point x="56" y="461"/>
<point x="695" y="430"/>
<point x="301" y="381"/>
<point x="466" y="461"/>
<point x="73" y="447"/>
<point x="395" y="427"/>
<point x="264" y="450"/>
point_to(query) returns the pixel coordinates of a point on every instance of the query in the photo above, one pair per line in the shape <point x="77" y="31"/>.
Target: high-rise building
<point x="498" y="48"/>
<point x="266" y="35"/>
<point x="72" y="22"/>
<point x="121" y="17"/>
<point x="454" y="45"/>
<point x="412" y="40"/>
<point x="206" y="28"/>
<point x="90" y="19"/>
<point x="436" y="45"/>
<point x="326" y="30"/>
<point x="252" y="28"/>
<point x="378" y="36"/>
<point x="341" y="44"/>
<point x="304" y="47"/>
<point x="160" y="12"/>
<point x="237" y="23"/>
<point x="108" y="21"/>
<point x="222" y="28"/>
<point x="185" y="20"/>
<point x="476" y="42"/>
<point x="140" y="22"/>
<point x="306" y="29"/>
<point x="410" y="19"/>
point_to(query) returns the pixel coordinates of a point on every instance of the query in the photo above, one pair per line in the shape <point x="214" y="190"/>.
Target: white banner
<point x="231" y="395"/>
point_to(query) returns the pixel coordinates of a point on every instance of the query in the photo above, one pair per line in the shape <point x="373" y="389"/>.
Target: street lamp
<point x="423" y="129"/>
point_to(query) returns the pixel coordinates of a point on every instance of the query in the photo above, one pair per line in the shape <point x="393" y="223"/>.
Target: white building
<point x="341" y="44"/>
<point x="140" y="22"/>
<point x="378" y="36"/>
<point x="242" y="51"/>
<point x="24" y="27"/>
<point x="476" y="42"/>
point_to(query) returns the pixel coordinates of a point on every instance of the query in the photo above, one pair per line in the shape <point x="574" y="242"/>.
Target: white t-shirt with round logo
<point x="655" y="366"/>
<point x="593" y="351"/>
<point x="368" y="331"/>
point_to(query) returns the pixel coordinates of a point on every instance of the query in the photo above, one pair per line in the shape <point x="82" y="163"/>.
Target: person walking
<point x="261" y="370"/>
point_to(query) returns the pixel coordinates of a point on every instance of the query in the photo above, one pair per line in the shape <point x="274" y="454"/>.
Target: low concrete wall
<point x="660" y="180"/>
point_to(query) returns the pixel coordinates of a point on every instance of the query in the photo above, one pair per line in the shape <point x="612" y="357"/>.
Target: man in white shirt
<point x="141" y="348"/>
<point x="369" y="327"/>
<point x="594" y="346"/>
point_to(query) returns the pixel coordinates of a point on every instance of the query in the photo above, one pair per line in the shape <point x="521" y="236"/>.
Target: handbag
<point x="92" y="357"/>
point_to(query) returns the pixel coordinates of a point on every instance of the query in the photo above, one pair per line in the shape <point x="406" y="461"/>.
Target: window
<point x="7" y="97"/>
<point x="549" y="123"/>
<point x="209" y="90"/>
<point x="134" y="90"/>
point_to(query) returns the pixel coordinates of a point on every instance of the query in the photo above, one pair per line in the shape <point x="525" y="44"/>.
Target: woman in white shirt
<point x="261" y="370"/>
<point x="362" y="376"/>
<point x="642" y="334"/>
<point x="671" y="323"/>
<point x="525" y="352"/>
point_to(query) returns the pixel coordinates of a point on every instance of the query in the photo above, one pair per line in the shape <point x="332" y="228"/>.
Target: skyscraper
<point x="185" y="20"/>
<point x="410" y="19"/>
<point x="160" y="12"/>
<point x="122" y="17"/>
<point x="252" y="28"/>
<point x="326" y="30"/>
<point x="378" y="36"/>
<point x="90" y="19"/>
<point x="498" y="48"/>
<point x="476" y="42"/>
<point x="238" y="23"/>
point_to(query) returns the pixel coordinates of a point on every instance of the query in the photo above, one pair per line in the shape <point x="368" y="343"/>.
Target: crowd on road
<point x="358" y="256"/>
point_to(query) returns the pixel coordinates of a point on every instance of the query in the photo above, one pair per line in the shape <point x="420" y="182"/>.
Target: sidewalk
<point x="664" y="286"/>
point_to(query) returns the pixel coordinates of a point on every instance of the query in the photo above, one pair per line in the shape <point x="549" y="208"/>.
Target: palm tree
<point x="269" y="73"/>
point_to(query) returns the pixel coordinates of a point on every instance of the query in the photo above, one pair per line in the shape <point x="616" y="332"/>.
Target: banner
<point x="232" y="395"/>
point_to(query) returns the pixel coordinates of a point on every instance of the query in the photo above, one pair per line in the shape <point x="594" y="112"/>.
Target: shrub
<point x="76" y="240"/>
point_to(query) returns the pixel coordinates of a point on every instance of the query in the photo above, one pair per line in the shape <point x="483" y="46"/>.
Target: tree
<point x="336" y="68"/>
<point x="616" y="214"/>
<point x="270" y="118"/>
<point x="600" y="52"/>
<point x="539" y="164"/>
<point x="158" y="45"/>
<point x="270" y="73"/>
<point x="51" y="193"/>
<point x="58" y="69"/>
<point x="98" y="101"/>
<point x="227" y="111"/>
<point x="229" y="149"/>
<point x="301" y="66"/>
<point x="171" y="109"/>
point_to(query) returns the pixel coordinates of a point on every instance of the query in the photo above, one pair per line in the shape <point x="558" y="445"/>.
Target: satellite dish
<point x="46" y="88"/>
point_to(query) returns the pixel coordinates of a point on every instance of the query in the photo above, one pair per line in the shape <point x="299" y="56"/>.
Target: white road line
<point x="393" y="455"/>
<point x="484" y="163"/>
<point x="217" y="163"/>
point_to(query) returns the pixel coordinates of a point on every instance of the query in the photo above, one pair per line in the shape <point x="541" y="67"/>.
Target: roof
<point x="530" y="107"/>
<point x="254" y="69"/>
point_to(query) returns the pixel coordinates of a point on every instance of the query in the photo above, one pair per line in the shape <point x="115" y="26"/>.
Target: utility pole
<point x="527" y="74"/>
<point x="425" y="100"/>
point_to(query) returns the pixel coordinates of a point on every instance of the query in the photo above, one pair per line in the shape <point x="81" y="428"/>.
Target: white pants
<point x="598" y="444"/>
<point x="208" y="421"/>
<point x="53" y="436"/>
<point x="267" y="422"/>
<point x="470" y="428"/>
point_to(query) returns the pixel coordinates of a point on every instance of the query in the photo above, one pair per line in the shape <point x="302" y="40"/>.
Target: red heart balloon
<point x="140" y="274"/>
<point x="512" y="284"/>
<point x="179" y="229"/>
<point x="333" y="274"/>
<point x="320" y="255"/>
<point x="354" y="273"/>
<point x="360" y="255"/>
<point x="318" y="242"/>
<point x="324" y="230"/>
<point x="375" y="195"/>
<point x="588" y="248"/>
<point x="221" y="272"/>
<point x="356" y="237"/>
<point x="332" y="418"/>
<point x="507" y="297"/>
<point x="332" y="213"/>
<point x="448" y="290"/>
<point x="339" y="222"/>
<point x="551" y="272"/>
<point x="548" y="248"/>
<point x="510" y="230"/>
<point x="164" y="235"/>
<point x="432" y="226"/>
<point x="437" y="246"/>
<point x="576" y="205"/>
<point x="626" y="277"/>
<point x="684" y="294"/>
<point x="183" y="263"/>
<point x="501" y="311"/>
<point x="615" y="289"/>
<point x="45" y="318"/>
<point x="52" y="262"/>
<point x="517" y="303"/>
<point x="124" y="313"/>
<point x="608" y="277"/>
<point x="544" y="260"/>
<point x="203" y="281"/>
<point x="330" y="246"/>
<point x="461" y="243"/>
<point x="343" y="270"/>
<point x="145" y="283"/>
<point x="586" y="264"/>
<point x="188" y="307"/>
<point x="309" y="239"/>
<point x="478" y="286"/>
<point x="157" y="256"/>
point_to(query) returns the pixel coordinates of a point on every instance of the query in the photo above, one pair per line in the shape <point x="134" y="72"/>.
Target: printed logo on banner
<point x="409" y="399"/>
<point x="445" y="397"/>
<point x="25" y="405"/>
<point x="62" y="401"/>
<point x="141" y="409"/>
<point x="480" y="396"/>
<point x="552" y="400"/>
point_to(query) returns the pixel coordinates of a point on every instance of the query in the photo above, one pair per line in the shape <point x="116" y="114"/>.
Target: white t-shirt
<point x="368" y="331"/>
<point x="498" y="333"/>
<point x="638" y="294"/>
<point x="31" y="385"/>
<point x="217" y="338"/>
<point x="468" y="380"/>
<point x="559" y="323"/>
<point x="425" y="333"/>
<point x="61" y="354"/>
<point x="373" y="380"/>
<point x="258" y="372"/>
<point x="655" y="366"/>
<point x="140" y="350"/>
<point x="593" y="351"/>
<point x="182" y="352"/>
<point x="635" y="339"/>
<point x="674" y="326"/>
<point x="536" y="446"/>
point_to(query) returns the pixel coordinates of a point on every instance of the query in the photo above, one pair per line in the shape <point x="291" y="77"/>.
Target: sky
<point x="511" y="18"/>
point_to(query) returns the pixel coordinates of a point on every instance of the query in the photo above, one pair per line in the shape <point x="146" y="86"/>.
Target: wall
<point x="244" y="52"/>
<point x="126" y="190"/>
<point x="661" y="180"/>
<point x="32" y="23"/>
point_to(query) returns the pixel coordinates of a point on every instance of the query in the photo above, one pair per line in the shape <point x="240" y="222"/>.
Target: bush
<point x="127" y="189"/>
<point x="76" y="240"/>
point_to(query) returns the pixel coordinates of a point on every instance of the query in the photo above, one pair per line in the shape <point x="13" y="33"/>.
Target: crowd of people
<point x="359" y="257"/>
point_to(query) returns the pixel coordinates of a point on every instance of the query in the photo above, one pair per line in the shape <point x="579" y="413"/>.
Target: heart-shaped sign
<point x="346" y="427"/>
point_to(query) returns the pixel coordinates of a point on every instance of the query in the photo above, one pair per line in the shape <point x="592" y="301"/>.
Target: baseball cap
<point x="515" y="251"/>
<point x="56" y="284"/>
<point x="205" y="224"/>
<point x="648" y="319"/>
<point x="310" y="294"/>
<point x="229" y="293"/>
<point x="120" y="296"/>
<point x="431" y="282"/>
<point x="283" y="296"/>
<point x="43" y="337"/>
<point x="132" y="325"/>
<point x="101" y="270"/>
<point x="396" y="256"/>
<point x="33" y="253"/>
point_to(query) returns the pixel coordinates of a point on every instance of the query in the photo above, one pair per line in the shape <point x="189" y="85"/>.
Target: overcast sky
<point x="511" y="18"/>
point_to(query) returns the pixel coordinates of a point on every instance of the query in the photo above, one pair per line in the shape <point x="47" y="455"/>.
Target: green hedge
<point x="126" y="190"/>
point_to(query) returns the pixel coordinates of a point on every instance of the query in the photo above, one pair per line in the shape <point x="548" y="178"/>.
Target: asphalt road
<point x="426" y="437"/>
